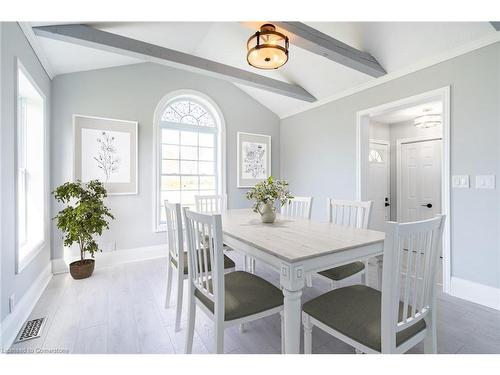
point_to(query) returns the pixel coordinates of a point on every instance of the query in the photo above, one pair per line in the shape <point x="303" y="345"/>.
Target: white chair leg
<point x="282" y="318"/>
<point x="363" y="277"/>
<point x="309" y="281"/>
<point x="219" y="339"/>
<point x="178" y="314"/>
<point x="307" y="334"/>
<point x="430" y="341"/>
<point x="252" y="266"/>
<point x="169" y="283"/>
<point x="191" y="321"/>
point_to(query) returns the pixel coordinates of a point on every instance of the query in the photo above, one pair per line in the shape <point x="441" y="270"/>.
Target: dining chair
<point x="228" y="299"/>
<point x="354" y="214"/>
<point x="403" y="313"/>
<point x="299" y="207"/>
<point x="216" y="204"/>
<point x="210" y="203"/>
<point x="177" y="257"/>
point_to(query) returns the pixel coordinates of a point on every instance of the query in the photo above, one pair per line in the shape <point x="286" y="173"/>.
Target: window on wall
<point x="189" y="152"/>
<point x="30" y="168"/>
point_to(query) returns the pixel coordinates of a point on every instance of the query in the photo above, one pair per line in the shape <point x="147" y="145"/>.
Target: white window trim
<point x="206" y="101"/>
<point x="20" y="265"/>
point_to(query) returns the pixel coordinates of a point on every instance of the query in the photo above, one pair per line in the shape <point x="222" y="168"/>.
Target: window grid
<point x="191" y="158"/>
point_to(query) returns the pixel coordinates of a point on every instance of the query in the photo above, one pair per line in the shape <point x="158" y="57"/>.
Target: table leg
<point x="292" y="282"/>
<point x="293" y="310"/>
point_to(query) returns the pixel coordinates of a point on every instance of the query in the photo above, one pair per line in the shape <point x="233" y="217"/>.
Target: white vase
<point x="267" y="214"/>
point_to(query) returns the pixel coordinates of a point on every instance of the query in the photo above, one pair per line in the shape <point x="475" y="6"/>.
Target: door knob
<point x="428" y="205"/>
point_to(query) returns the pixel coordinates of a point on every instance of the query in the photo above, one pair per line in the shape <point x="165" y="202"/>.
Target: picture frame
<point x="106" y="149"/>
<point x="253" y="159"/>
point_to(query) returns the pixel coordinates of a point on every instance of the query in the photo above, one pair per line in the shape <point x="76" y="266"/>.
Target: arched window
<point x="189" y="151"/>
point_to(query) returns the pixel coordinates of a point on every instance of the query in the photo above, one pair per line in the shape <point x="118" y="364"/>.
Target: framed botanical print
<point x="106" y="150"/>
<point x="254" y="158"/>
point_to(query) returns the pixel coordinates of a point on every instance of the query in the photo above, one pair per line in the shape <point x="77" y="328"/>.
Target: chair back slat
<point x="175" y="239"/>
<point x="349" y="213"/>
<point x="205" y="254"/>
<point x="210" y="203"/>
<point x="411" y="252"/>
<point x="299" y="207"/>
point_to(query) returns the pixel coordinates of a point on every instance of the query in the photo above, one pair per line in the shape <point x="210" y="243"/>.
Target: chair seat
<point x="228" y="263"/>
<point x="343" y="272"/>
<point x="245" y="294"/>
<point x="355" y="312"/>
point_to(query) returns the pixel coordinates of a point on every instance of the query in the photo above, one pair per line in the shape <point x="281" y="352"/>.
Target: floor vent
<point x="32" y="329"/>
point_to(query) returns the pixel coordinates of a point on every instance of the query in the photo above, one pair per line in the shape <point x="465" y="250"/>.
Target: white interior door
<point x="379" y="183"/>
<point x="419" y="187"/>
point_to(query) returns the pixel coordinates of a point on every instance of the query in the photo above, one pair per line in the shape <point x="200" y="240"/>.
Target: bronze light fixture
<point x="267" y="48"/>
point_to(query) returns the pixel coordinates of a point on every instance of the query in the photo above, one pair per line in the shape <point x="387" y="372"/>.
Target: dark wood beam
<point x="315" y="41"/>
<point x="90" y="37"/>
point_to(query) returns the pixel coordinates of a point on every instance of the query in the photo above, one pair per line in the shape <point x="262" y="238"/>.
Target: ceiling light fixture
<point x="428" y="120"/>
<point x="267" y="48"/>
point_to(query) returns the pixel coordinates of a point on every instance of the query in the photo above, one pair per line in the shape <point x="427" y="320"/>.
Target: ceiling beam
<point x="496" y="25"/>
<point x="315" y="41"/>
<point x="90" y="37"/>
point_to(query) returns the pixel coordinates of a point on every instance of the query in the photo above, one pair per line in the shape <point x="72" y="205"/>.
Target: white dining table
<point x="296" y="248"/>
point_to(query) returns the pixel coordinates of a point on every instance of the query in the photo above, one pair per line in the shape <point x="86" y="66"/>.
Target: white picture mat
<point x="87" y="129"/>
<point x="253" y="168"/>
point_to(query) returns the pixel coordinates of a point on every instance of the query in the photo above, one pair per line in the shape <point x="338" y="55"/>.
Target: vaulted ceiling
<point x="396" y="46"/>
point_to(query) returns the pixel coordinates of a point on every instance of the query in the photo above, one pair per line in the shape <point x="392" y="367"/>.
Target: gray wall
<point x="132" y="93"/>
<point x="14" y="44"/>
<point x="318" y="152"/>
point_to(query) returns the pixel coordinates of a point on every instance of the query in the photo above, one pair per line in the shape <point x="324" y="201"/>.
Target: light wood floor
<point x="120" y="310"/>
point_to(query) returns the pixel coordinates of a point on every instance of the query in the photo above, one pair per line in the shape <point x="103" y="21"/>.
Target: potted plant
<point x="265" y="194"/>
<point x="84" y="216"/>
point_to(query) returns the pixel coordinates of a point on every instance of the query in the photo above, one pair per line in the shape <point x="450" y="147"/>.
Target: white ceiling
<point x="395" y="45"/>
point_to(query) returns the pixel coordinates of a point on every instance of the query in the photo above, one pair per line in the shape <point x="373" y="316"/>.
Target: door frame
<point x="399" y="143"/>
<point x="388" y="144"/>
<point x="362" y="143"/>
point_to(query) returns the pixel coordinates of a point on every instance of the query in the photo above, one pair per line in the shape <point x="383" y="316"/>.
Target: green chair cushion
<point x="343" y="272"/>
<point x="245" y="294"/>
<point x="355" y="312"/>
<point x="228" y="263"/>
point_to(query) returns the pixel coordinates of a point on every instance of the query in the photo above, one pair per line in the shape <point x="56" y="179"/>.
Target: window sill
<point x="28" y="258"/>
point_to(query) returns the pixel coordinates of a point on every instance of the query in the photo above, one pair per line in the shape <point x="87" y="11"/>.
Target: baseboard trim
<point x="474" y="292"/>
<point x="14" y="321"/>
<point x="113" y="258"/>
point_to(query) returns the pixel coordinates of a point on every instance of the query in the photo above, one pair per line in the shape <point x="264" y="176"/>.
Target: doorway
<point x="403" y="164"/>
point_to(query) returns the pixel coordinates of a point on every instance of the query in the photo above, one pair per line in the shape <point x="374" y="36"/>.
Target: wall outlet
<point x="460" y="181"/>
<point x="485" y="182"/>
<point x="12" y="303"/>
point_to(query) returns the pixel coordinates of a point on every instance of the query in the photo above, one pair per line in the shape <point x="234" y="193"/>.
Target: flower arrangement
<point x="265" y="194"/>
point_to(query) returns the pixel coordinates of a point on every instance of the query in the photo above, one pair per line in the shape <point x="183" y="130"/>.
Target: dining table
<point x="296" y="248"/>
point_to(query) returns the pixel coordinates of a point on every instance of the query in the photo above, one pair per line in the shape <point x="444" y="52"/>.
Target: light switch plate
<point x="485" y="182"/>
<point x="460" y="181"/>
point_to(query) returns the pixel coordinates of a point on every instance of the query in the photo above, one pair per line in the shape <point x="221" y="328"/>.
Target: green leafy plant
<point x="84" y="216"/>
<point x="268" y="192"/>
